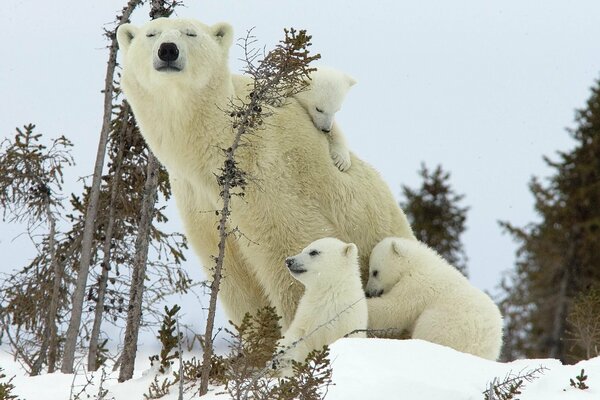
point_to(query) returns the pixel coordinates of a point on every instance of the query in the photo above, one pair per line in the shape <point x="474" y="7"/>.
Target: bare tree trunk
<point x="49" y="345"/>
<point x="556" y="349"/>
<point x="59" y="270"/>
<point x="136" y="296"/>
<point x="90" y="217"/>
<point x="558" y="327"/>
<point x="106" y="251"/>
<point x="214" y="286"/>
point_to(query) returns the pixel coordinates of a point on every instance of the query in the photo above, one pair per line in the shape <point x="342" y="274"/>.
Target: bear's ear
<point x="350" y="249"/>
<point x="223" y="34"/>
<point x="396" y="248"/>
<point x="125" y="35"/>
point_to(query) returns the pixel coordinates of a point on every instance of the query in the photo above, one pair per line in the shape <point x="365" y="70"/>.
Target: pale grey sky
<point x="484" y="88"/>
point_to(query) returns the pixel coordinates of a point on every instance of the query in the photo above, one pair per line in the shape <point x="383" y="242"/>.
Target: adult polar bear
<point x="177" y="80"/>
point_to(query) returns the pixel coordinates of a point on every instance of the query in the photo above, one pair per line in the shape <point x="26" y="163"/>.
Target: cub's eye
<point x="314" y="253"/>
<point x="375" y="273"/>
<point x="191" y="34"/>
<point x="318" y="110"/>
<point x="150" y="34"/>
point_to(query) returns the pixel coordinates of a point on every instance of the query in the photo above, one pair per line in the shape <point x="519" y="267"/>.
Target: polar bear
<point x="420" y="292"/>
<point x="176" y="79"/>
<point x="322" y="99"/>
<point x="333" y="304"/>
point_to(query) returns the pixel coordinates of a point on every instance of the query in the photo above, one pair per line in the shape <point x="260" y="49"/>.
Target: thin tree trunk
<point x="214" y="291"/>
<point x="558" y="326"/>
<point x="59" y="270"/>
<point x="556" y="349"/>
<point x="106" y="251"/>
<point x="49" y="345"/>
<point x="136" y="296"/>
<point x="92" y="209"/>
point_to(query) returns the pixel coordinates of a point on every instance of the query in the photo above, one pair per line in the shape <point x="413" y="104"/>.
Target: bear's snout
<point x="373" y="293"/>
<point x="168" y="51"/>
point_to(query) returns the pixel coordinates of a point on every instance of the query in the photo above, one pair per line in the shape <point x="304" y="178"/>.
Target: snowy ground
<point x="364" y="369"/>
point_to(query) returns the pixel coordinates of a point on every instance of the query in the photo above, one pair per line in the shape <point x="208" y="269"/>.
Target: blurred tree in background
<point x="436" y="216"/>
<point x="558" y="259"/>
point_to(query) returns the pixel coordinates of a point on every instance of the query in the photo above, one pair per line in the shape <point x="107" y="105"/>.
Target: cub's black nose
<point x="289" y="262"/>
<point x="168" y="51"/>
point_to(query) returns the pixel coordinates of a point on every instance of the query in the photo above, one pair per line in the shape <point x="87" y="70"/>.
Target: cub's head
<point x="324" y="260"/>
<point x="325" y="94"/>
<point x="387" y="264"/>
<point x="169" y="51"/>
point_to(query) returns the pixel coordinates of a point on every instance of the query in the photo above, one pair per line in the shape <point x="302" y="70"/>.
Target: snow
<point x="362" y="369"/>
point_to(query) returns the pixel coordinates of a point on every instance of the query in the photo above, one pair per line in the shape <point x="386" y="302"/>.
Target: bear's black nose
<point x="289" y="262"/>
<point x="168" y="51"/>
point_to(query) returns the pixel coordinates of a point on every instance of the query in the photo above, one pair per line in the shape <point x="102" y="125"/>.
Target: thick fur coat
<point x="333" y="304"/>
<point x="421" y="293"/>
<point x="297" y="195"/>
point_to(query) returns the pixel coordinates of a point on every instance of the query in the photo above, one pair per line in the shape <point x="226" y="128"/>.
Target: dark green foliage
<point x="436" y="217"/>
<point x="31" y="175"/>
<point x="6" y="387"/>
<point x="158" y="389"/>
<point x="579" y="381"/>
<point x="169" y="340"/>
<point x="310" y="381"/>
<point x="33" y="299"/>
<point x="511" y="386"/>
<point x="584" y="322"/>
<point x="102" y="354"/>
<point x="258" y="335"/>
<point x="559" y="256"/>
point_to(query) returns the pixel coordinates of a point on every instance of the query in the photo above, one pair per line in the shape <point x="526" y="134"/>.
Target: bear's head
<point x="324" y="260"/>
<point x="325" y="94"/>
<point x="173" y="52"/>
<point x="387" y="264"/>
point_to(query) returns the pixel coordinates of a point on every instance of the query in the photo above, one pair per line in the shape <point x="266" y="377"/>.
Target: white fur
<point x="322" y="99"/>
<point x="333" y="304"/>
<point x="424" y="295"/>
<point x="296" y="195"/>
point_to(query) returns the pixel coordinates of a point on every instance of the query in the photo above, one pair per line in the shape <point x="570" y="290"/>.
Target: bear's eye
<point x="191" y="34"/>
<point x="375" y="273"/>
<point x="314" y="253"/>
<point x="150" y="34"/>
<point x="318" y="110"/>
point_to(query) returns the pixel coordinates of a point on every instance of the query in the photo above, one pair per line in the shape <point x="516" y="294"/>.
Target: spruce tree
<point x="558" y="258"/>
<point x="436" y="216"/>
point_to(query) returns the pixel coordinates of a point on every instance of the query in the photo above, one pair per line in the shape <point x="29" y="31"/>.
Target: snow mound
<point x="363" y="369"/>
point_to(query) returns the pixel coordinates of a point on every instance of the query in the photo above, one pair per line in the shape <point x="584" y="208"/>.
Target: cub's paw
<point x="341" y="158"/>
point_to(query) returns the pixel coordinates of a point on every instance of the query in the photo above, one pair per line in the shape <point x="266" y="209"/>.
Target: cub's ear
<point x="125" y="35"/>
<point x="350" y="250"/>
<point x="350" y="81"/>
<point x="223" y="33"/>
<point x="396" y="248"/>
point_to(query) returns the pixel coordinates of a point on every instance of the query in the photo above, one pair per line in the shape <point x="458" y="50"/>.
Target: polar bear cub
<point x="333" y="304"/>
<point x="418" y="291"/>
<point x="323" y="97"/>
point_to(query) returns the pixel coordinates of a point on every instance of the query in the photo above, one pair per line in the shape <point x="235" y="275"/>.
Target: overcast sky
<point x="484" y="88"/>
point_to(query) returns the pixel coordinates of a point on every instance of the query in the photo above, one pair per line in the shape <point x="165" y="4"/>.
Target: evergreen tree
<point x="558" y="257"/>
<point x="436" y="217"/>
